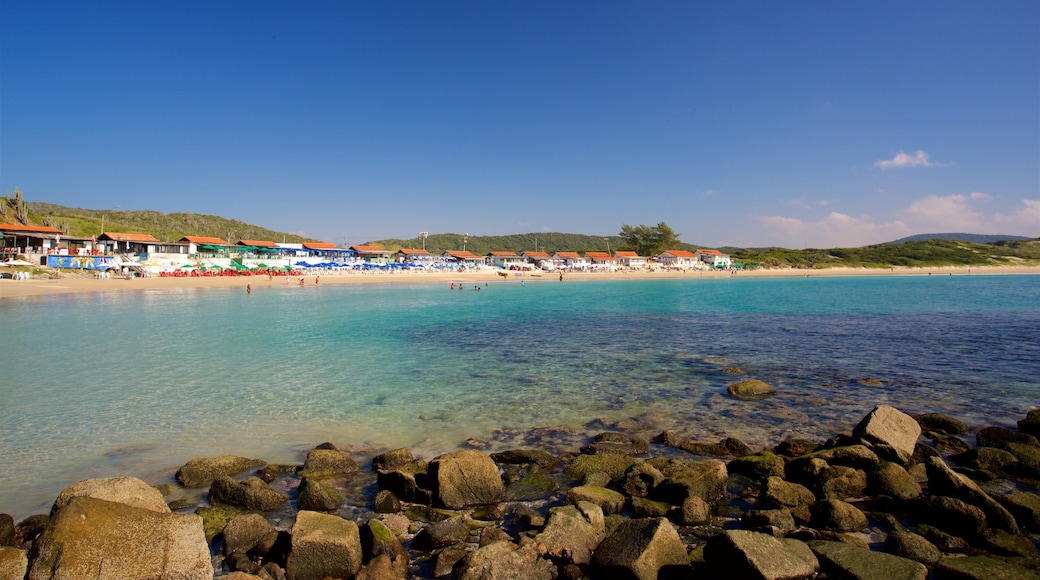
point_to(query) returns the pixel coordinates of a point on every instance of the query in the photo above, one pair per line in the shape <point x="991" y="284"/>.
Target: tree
<point x="649" y="240"/>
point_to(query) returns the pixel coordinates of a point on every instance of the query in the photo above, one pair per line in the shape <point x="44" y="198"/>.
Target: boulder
<point x="323" y="545"/>
<point x="912" y="546"/>
<point x="641" y="479"/>
<point x="386" y="502"/>
<point x="573" y="532"/>
<point x="13" y="563"/>
<point x="832" y="514"/>
<point x="694" y="511"/>
<point x="608" y="500"/>
<point x="750" y="389"/>
<point x="405" y="485"/>
<point x="398" y="459"/>
<point x="759" y="466"/>
<point x="954" y="516"/>
<point x="531" y="487"/>
<point x="889" y="432"/>
<point x="890" y="479"/>
<point x="322" y="463"/>
<point x="856" y="456"/>
<point x="250" y="532"/>
<point x="90" y="538"/>
<point x="315" y="497"/>
<point x="7" y="535"/>
<point x="251" y="494"/>
<point x="1031" y="424"/>
<point x="377" y="541"/>
<point x="986" y="568"/>
<point x="125" y="490"/>
<point x="840" y="560"/>
<point x="504" y="561"/>
<point x="1025" y="507"/>
<point x="999" y="437"/>
<point x="989" y="458"/>
<point x="745" y="554"/>
<point x="780" y="494"/>
<point x="944" y="481"/>
<point x="728" y="447"/>
<point x="704" y="479"/>
<point x="795" y="447"/>
<point x="465" y="478"/>
<point x="538" y="457"/>
<point x="641" y="549"/>
<point x="840" y="482"/>
<point x="380" y="568"/>
<point x="942" y="423"/>
<point x="203" y="470"/>
<point x="611" y="464"/>
<point x="441" y="534"/>
<point x="779" y="521"/>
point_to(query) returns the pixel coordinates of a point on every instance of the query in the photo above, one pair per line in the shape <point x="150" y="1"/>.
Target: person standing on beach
<point x="249" y="288"/>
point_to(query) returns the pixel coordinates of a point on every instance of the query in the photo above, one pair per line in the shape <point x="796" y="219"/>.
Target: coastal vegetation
<point x="919" y="251"/>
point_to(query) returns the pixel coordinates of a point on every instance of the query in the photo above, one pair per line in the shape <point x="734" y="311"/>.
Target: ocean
<point x="137" y="383"/>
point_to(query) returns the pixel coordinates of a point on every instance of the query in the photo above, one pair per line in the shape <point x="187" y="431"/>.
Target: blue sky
<point x="796" y="124"/>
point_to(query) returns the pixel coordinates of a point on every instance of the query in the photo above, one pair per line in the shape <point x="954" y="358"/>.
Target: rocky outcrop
<point x="203" y="470"/>
<point x="125" y="490"/>
<point x="943" y="481"/>
<point x="13" y="563"/>
<point x="744" y="554"/>
<point x="504" y="561"/>
<point x="642" y="549"/>
<point x="573" y="532"/>
<point x="889" y="432"/>
<point x="323" y="545"/>
<point x="841" y="560"/>
<point x="89" y="538"/>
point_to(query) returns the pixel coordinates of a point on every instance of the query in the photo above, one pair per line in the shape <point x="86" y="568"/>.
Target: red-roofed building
<point x="29" y="239"/>
<point x="504" y="259"/>
<point x="412" y="255"/>
<point x="372" y="253"/>
<point x="677" y="259"/>
<point x="137" y="244"/>
<point x="205" y="245"/>
<point x="714" y="258"/>
<point x="631" y="259"/>
<point x="571" y="260"/>
<point x="464" y="257"/>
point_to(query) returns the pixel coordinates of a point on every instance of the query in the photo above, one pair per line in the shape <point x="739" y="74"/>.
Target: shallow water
<point x="108" y="384"/>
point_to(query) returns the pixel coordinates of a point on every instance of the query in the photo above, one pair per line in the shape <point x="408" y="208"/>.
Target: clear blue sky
<point x="798" y="124"/>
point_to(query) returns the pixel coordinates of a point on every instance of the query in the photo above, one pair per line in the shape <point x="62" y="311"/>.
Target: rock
<point x="694" y="511"/>
<point x="944" y="481"/>
<point x="380" y="568"/>
<point x="989" y="458"/>
<point x="465" y="478"/>
<point x="613" y="465"/>
<point x="533" y="486"/>
<point x="250" y="532"/>
<point x="7" y="536"/>
<point x="1028" y="456"/>
<point x="840" y="482"/>
<point x="999" y="543"/>
<point x="1031" y="424"/>
<point x="778" y="494"/>
<point x="445" y="560"/>
<point x="890" y="479"/>
<point x="504" y="561"/>
<point x="13" y="563"/>
<point x="315" y="497"/>
<point x="745" y="554"/>
<point x="125" y="490"/>
<point x="572" y="532"/>
<point x="750" y="389"/>
<point x="806" y="471"/>
<point x="28" y="529"/>
<point x="840" y="560"/>
<point x="323" y="545"/>
<point x="728" y="447"/>
<point x="942" y="423"/>
<point x="88" y="536"/>
<point x="441" y="534"/>
<point x="492" y="534"/>
<point x="794" y="447"/>
<point x="703" y="479"/>
<point x="832" y="514"/>
<point x="855" y="456"/>
<point x="251" y="494"/>
<point x="948" y="543"/>
<point x="954" y="516"/>
<point x="642" y="507"/>
<point x="608" y="500"/>
<point x="215" y="517"/>
<point x="322" y="463"/>
<point x="889" y="432"/>
<point x="538" y="457"/>
<point x="759" y="466"/>
<point x="779" y="520"/>
<point x="641" y="479"/>
<point x="1025" y="507"/>
<point x="912" y="546"/>
<point x="377" y="541"/>
<point x="615" y="448"/>
<point x="998" y="437"/>
<point x="986" y="568"/>
<point x="398" y="459"/>
<point x="204" y="470"/>
<point x="404" y="485"/>
<point x="641" y="549"/>
<point x="386" y="502"/>
<point x="947" y="443"/>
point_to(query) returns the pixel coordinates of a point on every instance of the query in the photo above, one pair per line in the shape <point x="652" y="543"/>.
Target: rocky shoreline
<point x="899" y="497"/>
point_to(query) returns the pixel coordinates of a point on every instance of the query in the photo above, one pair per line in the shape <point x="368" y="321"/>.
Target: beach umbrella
<point x="187" y="267"/>
<point x="261" y="265"/>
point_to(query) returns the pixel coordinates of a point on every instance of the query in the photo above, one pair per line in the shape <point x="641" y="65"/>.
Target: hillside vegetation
<point x="1011" y="250"/>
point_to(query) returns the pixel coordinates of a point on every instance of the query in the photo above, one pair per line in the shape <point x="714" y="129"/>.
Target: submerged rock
<point x="204" y="470"/>
<point x="750" y="389"/>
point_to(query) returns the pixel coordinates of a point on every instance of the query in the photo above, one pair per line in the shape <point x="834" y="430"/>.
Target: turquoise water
<point x="137" y="383"/>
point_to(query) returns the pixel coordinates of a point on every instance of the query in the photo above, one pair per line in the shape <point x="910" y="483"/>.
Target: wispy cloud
<point x="709" y="192"/>
<point x="903" y="159"/>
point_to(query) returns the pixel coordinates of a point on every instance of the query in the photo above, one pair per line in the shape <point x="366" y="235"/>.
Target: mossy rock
<point x="613" y="465"/>
<point x="214" y="518"/>
<point x="750" y="389"/>
<point x="733" y="371"/>
<point x="531" y="487"/>
<point x="987" y="568"/>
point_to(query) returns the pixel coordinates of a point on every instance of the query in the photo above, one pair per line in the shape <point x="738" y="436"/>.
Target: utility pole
<point x="423" y="236"/>
<point x="465" y="238"/>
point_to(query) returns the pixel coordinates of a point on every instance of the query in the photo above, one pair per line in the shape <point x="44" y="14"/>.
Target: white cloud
<point x="903" y="159"/>
<point x="1025" y="219"/>
<point x="709" y="192"/>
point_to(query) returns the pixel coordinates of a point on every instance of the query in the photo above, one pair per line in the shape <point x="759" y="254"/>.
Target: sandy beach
<point x="84" y="282"/>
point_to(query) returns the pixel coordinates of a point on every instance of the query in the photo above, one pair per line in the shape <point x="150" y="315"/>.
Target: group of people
<point x="476" y="287"/>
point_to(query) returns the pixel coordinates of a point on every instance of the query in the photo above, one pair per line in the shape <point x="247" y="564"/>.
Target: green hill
<point x="519" y="243"/>
<point x="166" y="227"/>
<point x="922" y="253"/>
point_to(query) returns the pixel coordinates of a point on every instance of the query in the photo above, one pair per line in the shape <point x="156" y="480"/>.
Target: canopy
<point x="17" y="263"/>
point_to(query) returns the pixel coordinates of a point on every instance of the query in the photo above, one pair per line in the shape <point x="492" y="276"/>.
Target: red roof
<point x="129" y="237"/>
<point x="257" y="243"/>
<point x="599" y="256"/>
<point x="537" y="255"/>
<point x="319" y="246"/>
<point x="29" y="228"/>
<point x="568" y="255"/>
<point x="504" y="254"/>
<point x="462" y="255"/>
<point x="711" y="252"/>
<point x="411" y="252"/>
<point x="624" y="254"/>
<point x="680" y="253"/>
<point x="367" y="248"/>
<point x="204" y="240"/>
